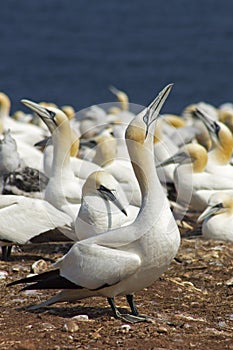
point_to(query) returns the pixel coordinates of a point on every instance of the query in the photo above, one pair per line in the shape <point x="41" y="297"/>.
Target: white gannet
<point x="81" y="168"/>
<point x="91" y="121"/>
<point x="122" y="112"/>
<point x="23" y="218"/>
<point x="26" y="133"/>
<point x="218" y="218"/>
<point x="222" y="146"/>
<point x="125" y="260"/>
<point x="63" y="189"/>
<point x="193" y="184"/>
<point x="104" y="206"/>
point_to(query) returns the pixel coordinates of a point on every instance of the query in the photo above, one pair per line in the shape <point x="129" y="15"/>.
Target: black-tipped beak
<point x="109" y="195"/>
<point x="45" y="114"/>
<point x="177" y="158"/>
<point x="211" y="125"/>
<point x="152" y="111"/>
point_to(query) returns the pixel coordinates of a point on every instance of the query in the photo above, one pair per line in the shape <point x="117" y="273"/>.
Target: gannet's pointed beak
<point x="177" y="158"/>
<point x="209" y="211"/>
<point x="211" y="125"/>
<point x="109" y="195"/>
<point x="46" y="141"/>
<point x="114" y="90"/>
<point x="91" y="143"/>
<point x="152" y="111"/>
<point x="45" y="114"/>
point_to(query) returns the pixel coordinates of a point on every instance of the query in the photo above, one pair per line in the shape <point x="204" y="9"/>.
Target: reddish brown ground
<point x="191" y="304"/>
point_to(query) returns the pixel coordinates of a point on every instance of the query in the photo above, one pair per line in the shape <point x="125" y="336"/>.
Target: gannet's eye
<point x="51" y="113"/>
<point x="217" y="128"/>
<point x="219" y="205"/>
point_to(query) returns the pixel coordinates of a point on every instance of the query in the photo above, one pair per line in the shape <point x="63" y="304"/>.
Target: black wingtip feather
<point x="35" y="278"/>
<point x="46" y="280"/>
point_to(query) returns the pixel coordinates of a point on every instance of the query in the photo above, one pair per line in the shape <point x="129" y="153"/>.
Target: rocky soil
<point x="191" y="306"/>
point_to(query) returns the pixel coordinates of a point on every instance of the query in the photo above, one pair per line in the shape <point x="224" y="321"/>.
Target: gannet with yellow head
<point x="218" y="218"/>
<point x="64" y="190"/>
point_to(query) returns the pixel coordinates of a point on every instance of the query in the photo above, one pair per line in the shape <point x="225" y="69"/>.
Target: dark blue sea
<point x="70" y="51"/>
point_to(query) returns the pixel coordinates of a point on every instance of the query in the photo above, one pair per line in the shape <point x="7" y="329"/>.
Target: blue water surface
<point x="70" y="51"/>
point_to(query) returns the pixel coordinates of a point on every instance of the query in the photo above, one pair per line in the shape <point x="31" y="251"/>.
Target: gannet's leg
<point x="130" y="299"/>
<point x="132" y="305"/>
<point x="6" y="252"/>
<point x="126" y="317"/>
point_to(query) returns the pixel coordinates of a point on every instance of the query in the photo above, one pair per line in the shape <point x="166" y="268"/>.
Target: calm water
<point x="71" y="51"/>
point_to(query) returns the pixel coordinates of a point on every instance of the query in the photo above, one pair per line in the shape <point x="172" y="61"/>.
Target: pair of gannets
<point x="125" y="260"/>
<point x="101" y="193"/>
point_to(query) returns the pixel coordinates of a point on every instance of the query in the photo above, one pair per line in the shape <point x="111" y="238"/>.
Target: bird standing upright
<point x="128" y="259"/>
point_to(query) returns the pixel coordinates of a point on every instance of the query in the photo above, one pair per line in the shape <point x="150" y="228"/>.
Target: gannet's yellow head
<point x="175" y="120"/>
<point x="121" y="97"/>
<point x="69" y="111"/>
<point x="5" y="104"/>
<point x="192" y="153"/>
<point x="221" y="136"/>
<point x="140" y="126"/>
<point x="56" y="121"/>
<point x="226" y="117"/>
<point x="218" y="203"/>
<point x="105" y="185"/>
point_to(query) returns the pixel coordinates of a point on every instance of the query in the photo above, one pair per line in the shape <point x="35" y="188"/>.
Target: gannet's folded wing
<point x="93" y="266"/>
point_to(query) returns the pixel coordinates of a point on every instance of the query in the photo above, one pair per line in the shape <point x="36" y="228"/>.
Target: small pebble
<point x="47" y="326"/>
<point x="3" y="275"/>
<point x="162" y="329"/>
<point x="17" y="268"/>
<point x="70" y="326"/>
<point x="81" y="318"/>
<point x="125" y="328"/>
<point x="229" y="282"/>
<point x="222" y="324"/>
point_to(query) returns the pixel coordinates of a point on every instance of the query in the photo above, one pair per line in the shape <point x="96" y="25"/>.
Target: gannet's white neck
<point x="61" y="142"/>
<point x="141" y="153"/>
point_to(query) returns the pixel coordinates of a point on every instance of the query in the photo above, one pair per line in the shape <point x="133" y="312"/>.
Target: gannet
<point x="81" y="168"/>
<point x="63" y="189"/>
<point x="23" y="218"/>
<point x="125" y="260"/>
<point x="104" y="206"/>
<point x="91" y="121"/>
<point x="222" y="146"/>
<point x="218" y="218"/>
<point x="23" y="132"/>
<point x="190" y="177"/>
<point x="122" y="112"/>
